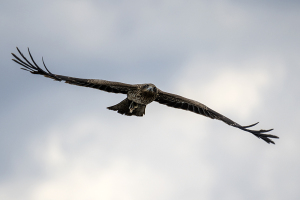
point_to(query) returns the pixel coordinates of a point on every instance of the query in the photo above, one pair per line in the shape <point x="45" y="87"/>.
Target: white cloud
<point x="74" y="169"/>
<point x="81" y="23"/>
<point x="229" y="87"/>
<point x="122" y="178"/>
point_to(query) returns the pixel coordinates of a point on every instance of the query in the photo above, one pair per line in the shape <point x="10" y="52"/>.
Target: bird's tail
<point x="129" y="108"/>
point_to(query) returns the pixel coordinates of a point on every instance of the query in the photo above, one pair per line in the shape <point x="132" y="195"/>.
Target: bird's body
<point x="139" y="96"/>
<point x="137" y="100"/>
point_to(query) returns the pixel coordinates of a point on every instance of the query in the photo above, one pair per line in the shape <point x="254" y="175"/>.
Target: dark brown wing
<point x="107" y="86"/>
<point x="180" y="102"/>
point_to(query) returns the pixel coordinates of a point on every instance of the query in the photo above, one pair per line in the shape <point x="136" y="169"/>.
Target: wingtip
<point x="266" y="137"/>
<point x="260" y="133"/>
<point x="250" y="125"/>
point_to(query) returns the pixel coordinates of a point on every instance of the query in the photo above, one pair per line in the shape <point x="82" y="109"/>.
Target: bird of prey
<point x="139" y="96"/>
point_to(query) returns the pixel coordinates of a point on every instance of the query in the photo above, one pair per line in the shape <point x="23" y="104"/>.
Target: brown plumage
<point x="139" y="96"/>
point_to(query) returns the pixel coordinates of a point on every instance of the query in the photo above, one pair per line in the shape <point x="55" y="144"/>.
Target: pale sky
<point x="240" y="58"/>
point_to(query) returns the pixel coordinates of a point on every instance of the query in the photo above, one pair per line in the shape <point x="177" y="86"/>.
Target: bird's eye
<point x="154" y="89"/>
<point x="146" y="86"/>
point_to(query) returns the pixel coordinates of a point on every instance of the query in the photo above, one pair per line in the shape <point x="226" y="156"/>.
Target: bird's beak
<point x="149" y="89"/>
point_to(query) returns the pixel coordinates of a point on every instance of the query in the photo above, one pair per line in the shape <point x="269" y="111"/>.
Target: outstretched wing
<point x="180" y="102"/>
<point x="104" y="85"/>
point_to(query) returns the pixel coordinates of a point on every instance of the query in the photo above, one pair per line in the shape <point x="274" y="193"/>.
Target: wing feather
<point x="108" y="86"/>
<point x="180" y="102"/>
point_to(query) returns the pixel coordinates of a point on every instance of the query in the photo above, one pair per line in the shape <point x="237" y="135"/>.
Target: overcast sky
<point x="240" y="58"/>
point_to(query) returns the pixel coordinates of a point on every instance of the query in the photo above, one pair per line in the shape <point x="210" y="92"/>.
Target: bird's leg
<point x="132" y="106"/>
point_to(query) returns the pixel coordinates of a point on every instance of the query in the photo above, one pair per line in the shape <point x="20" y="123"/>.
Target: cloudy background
<point x="240" y="58"/>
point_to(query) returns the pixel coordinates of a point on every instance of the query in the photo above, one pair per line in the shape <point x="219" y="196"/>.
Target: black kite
<point x="139" y="96"/>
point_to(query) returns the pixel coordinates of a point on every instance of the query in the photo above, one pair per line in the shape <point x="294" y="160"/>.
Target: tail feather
<point x="123" y="108"/>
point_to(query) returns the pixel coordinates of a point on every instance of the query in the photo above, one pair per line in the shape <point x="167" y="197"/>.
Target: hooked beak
<point x="149" y="89"/>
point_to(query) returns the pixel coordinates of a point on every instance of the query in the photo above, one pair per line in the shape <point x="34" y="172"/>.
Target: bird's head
<point x="150" y="89"/>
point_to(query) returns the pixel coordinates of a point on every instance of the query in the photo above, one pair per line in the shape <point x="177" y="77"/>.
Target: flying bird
<point x="139" y="96"/>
